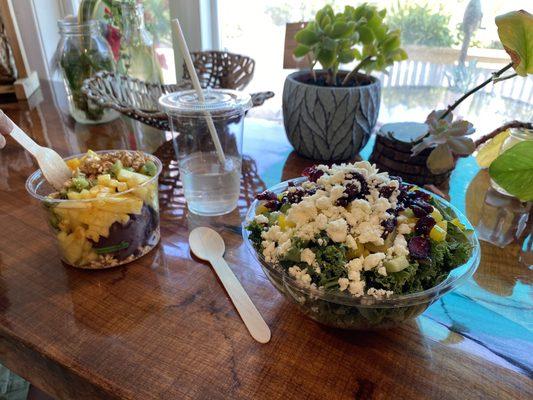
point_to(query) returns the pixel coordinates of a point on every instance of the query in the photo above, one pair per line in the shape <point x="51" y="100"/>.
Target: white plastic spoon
<point x="54" y="168"/>
<point x="208" y="245"/>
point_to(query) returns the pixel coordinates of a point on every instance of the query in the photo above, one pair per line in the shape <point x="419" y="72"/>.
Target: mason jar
<point x="82" y="52"/>
<point x="516" y="135"/>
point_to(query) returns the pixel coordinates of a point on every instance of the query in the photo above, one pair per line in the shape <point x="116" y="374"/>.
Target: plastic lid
<point x="217" y="101"/>
<point x="405" y="131"/>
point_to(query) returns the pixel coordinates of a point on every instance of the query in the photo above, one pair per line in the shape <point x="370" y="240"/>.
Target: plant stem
<point x="504" y="78"/>
<point x="474" y="90"/>
<point x="354" y="71"/>
<point x="494" y="133"/>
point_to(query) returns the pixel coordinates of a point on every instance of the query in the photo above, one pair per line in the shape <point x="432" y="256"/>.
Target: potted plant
<point x="330" y="113"/>
<point x="431" y="156"/>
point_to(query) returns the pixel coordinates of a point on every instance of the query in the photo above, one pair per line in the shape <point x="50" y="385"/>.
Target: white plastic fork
<point x="54" y="169"/>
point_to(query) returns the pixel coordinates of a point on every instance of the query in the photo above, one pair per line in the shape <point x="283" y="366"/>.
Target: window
<point x="450" y="44"/>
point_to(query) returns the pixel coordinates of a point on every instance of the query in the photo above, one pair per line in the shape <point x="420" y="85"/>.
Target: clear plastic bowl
<point x="102" y="232"/>
<point x="342" y="310"/>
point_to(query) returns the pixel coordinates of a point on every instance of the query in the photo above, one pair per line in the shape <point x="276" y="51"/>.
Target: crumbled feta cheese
<point x="336" y="193"/>
<point x="307" y="256"/>
<point x="379" y="293"/>
<point x="272" y="234"/>
<point x="300" y="275"/>
<point x="350" y="242"/>
<point x="404" y="229"/>
<point x="337" y="230"/>
<point x="261" y="219"/>
<point x="323" y="203"/>
<point x="343" y="284"/>
<point x="382" y="271"/>
<point x="357" y="288"/>
<point x="269" y="250"/>
<point x="302" y="213"/>
<point x="373" y="260"/>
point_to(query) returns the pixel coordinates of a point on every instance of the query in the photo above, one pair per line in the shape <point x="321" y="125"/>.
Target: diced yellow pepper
<point x="283" y="223"/>
<point x="261" y="209"/>
<point x="354" y="253"/>
<point x="443" y="224"/>
<point x="437" y="216"/>
<point x="437" y="234"/>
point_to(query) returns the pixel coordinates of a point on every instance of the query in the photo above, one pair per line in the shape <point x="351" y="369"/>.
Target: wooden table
<point x="163" y="327"/>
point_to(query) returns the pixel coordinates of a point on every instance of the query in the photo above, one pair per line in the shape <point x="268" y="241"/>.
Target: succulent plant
<point x="449" y="140"/>
<point x="354" y="34"/>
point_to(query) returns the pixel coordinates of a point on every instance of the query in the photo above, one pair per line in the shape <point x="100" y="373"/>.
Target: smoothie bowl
<point x="354" y="248"/>
<point x="107" y="214"/>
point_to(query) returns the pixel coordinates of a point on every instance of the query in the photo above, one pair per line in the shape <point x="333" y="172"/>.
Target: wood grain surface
<point x="163" y="327"/>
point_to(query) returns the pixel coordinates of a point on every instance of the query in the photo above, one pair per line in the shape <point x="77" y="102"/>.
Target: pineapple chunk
<point x="132" y="178"/>
<point x="73" y="163"/>
<point x="122" y="186"/>
<point x="104" y="180"/>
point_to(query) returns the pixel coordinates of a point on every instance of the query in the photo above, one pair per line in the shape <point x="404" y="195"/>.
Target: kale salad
<point x="351" y="229"/>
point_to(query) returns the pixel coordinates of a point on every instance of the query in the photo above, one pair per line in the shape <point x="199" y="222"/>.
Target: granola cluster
<point x="96" y="164"/>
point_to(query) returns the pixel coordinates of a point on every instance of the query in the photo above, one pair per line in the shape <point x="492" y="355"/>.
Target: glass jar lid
<point x="220" y="102"/>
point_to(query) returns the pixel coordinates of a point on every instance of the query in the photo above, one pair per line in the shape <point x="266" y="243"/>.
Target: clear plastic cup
<point x="211" y="187"/>
<point x="104" y="232"/>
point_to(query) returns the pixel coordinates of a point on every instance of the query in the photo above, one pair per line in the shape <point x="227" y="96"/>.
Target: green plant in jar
<point x="81" y="53"/>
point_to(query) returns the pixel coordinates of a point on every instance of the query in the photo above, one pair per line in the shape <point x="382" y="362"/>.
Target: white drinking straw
<point x="196" y="84"/>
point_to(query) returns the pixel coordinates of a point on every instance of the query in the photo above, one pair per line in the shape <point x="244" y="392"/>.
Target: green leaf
<point x="440" y="159"/>
<point x="391" y="43"/>
<point x="398" y="55"/>
<point x="515" y="30"/>
<point x="366" y="35"/>
<point x="346" y="56"/>
<point x="324" y="22"/>
<point x="326" y="57"/>
<point x="462" y="146"/>
<point x="112" y="249"/>
<point x="301" y="50"/>
<point x="513" y="170"/>
<point x="339" y="29"/>
<point x="306" y="37"/>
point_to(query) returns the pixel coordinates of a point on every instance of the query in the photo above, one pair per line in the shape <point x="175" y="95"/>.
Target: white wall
<point x="37" y="22"/>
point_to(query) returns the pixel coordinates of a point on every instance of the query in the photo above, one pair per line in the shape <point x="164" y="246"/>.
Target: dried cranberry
<point x="388" y="226"/>
<point x="419" y="247"/>
<point x="312" y="173"/>
<point x="273" y="205"/>
<point x="419" y="195"/>
<point x="386" y="191"/>
<point x="266" y="195"/>
<point x="424" y="225"/>
<point x="342" y="202"/>
<point x="419" y="212"/>
<point x="428" y="208"/>
<point x="295" y="196"/>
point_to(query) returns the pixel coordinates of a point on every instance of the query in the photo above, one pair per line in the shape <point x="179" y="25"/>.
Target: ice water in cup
<point x="211" y="187"/>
